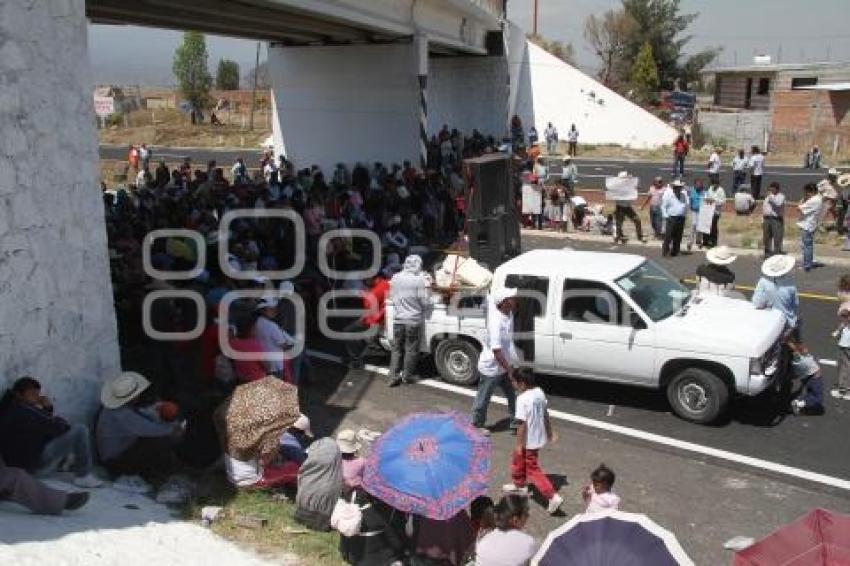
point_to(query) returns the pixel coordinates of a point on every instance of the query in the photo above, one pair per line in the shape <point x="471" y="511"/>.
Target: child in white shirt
<point x="842" y="388"/>
<point x="534" y="430"/>
<point x="597" y="495"/>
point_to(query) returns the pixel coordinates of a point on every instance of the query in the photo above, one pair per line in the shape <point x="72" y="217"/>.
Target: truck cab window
<point x="591" y="302"/>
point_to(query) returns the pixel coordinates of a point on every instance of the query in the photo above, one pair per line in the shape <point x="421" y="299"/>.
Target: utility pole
<point x="779" y="54"/>
<point x="254" y="93"/>
<point x="534" y="19"/>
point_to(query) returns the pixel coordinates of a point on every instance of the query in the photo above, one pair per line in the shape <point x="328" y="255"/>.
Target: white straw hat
<point x="777" y="266"/>
<point x="347" y="441"/>
<point x="123" y="389"/>
<point x="720" y="255"/>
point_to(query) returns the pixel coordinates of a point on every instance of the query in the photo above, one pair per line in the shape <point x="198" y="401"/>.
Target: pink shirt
<point x="352" y="472"/>
<point x="248" y="370"/>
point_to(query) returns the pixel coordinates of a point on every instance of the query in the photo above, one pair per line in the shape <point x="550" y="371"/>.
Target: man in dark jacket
<point x="38" y="441"/>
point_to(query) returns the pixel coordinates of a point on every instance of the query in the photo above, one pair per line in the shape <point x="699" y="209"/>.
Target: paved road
<point x="592" y="172"/>
<point x="753" y="429"/>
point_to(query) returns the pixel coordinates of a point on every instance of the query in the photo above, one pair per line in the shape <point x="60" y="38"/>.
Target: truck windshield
<point x="654" y="290"/>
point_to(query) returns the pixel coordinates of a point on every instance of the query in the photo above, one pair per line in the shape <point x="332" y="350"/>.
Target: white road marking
<point x="832" y="363"/>
<point x="683" y="445"/>
<point x="610" y="411"/>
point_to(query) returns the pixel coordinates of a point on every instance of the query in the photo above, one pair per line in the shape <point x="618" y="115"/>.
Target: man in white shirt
<point x="810" y="214"/>
<point x="714" y="164"/>
<point x="273" y="339"/>
<point x="551" y="136"/>
<point x="756" y="171"/>
<point x="572" y="139"/>
<point x="773" y="220"/>
<point x="673" y="209"/>
<point x="498" y="356"/>
<point x="739" y="169"/>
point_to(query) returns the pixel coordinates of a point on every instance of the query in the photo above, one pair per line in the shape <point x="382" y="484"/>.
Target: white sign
<point x="706" y="215"/>
<point x="621" y="188"/>
<point x="103" y="106"/>
<point x="532" y="199"/>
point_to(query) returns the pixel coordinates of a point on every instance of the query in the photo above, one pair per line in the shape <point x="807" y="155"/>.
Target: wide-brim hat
<point x="123" y="389"/>
<point x="623" y="174"/>
<point x="347" y="442"/>
<point x="720" y="255"/>
<point x="833" y="171"/>
<point x="677" y="183"/>
<point x="302" y="423"/>
<point x="777" y="265"/>
<point x="843" y="180"/>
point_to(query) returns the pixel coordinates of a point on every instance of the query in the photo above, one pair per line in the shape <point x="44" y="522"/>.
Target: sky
<point x="790" y="31"/>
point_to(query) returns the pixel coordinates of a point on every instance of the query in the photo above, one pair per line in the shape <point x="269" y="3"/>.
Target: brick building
<point x="793" y="106"/>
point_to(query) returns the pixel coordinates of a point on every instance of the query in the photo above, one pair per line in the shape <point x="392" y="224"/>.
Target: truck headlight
<point x="755" y="366"/>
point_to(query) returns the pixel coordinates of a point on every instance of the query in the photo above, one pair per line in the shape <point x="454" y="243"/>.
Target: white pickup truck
<point x="618" y="318"/>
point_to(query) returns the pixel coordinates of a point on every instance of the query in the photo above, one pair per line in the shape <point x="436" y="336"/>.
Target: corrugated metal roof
<point x="776" y="67"/>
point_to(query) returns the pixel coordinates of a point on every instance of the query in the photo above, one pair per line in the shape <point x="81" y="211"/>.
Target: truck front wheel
<point x="456" y="361"/>
<point x="698" y="395"/>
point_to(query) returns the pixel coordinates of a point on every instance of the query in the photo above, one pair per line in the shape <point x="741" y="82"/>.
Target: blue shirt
<point x="778" y="294"/>
<point x="695" y="198"/>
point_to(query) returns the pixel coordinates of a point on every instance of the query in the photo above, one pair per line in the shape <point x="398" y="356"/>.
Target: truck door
<point x="532" y="323"/>
<point x="595" y="337"/>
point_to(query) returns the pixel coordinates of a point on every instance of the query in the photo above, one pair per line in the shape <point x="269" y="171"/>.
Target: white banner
<point x="706" y="215"/>
<point x="103" y="105"/>
<point x="532" y="199"/>
<point x="621" y="188"/>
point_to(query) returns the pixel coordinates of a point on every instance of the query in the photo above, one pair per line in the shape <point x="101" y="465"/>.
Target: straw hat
<point x="777" y="265"/>
<point x="123" y="389"/>
<point x="302" y="423"/>
<point x="843" y="180"/>
<point x="720" y="255"/>
<point x="347" y="441"/>
<point x="623" y="174"/>
<point x="833" y="172"/>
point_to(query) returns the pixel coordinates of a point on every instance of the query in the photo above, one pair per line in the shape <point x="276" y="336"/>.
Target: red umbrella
<point x="818" y="538"/>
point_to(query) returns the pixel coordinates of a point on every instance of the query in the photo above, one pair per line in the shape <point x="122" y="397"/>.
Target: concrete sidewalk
<point x="705" y="503"/>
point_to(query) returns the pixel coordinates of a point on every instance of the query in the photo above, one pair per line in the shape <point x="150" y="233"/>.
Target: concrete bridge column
<point x="348" y="103"/>
<point x="57" y="321"/>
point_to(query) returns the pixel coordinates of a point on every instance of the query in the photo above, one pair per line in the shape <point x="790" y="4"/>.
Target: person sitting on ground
<point x="441" y="543"/>
<point x="319" y="485"/>
<point x="507" y="544"/>
<point x="715" y="277"/>
<point x="482" y="515"/>
<point x="744" y="201"/>
<point x="136" y="435"/>
<point x="295" y="441"/>
<point x="352" y="464"/>
<point x="381" y="540"/>
<point x="17" y="486"/>
<point x="809" y="401"/>
<point x="38" y="441"/>
<point x="597" y="495"/>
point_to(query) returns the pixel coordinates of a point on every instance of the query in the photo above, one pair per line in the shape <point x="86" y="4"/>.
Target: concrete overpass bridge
<point x="352" y="80"/>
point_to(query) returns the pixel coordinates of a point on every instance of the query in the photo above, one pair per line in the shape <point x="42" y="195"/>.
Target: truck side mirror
<point x="636" y="321"/>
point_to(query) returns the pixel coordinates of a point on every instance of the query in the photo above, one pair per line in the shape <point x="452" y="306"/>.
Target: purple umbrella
<point x="611" y="539"/>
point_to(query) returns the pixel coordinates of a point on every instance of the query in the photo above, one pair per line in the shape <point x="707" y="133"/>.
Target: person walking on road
<point x="773" y="220"/>
<point x="680" y="152"/>
<point x="551" y="136"/>
<point x="410" y="296"/>
<point x="653" y="199"/>
<point x="695" y="196"/>
<point x="739" y="169"/>
<point x="810" y="214"/>
<point x="673" y="208"/>
<point x="572" y="140"/>
<point x="717" y="196"/>
<point x="756" y="166"/>
<point x="534" y="431"/>
<point x="498" y="356"/>
<point x="714" y="164"/>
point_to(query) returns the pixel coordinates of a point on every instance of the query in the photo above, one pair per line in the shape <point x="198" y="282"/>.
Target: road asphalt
<point x="704" y="502"/>
<point x="592" y="172"/>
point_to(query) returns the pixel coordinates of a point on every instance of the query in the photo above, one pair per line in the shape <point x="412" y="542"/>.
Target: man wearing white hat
<point x="776" y="290"/>
<point x="272" y="337"/>
<point x="498" y="356"/>
<point x="715" y="277"/>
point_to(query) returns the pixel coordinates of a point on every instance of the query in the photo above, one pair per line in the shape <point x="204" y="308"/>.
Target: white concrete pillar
<point x="346" y="103"/>
<point x="57" y="321"/>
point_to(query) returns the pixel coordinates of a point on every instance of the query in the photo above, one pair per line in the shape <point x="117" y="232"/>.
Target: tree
<point x="190" y="69"/>
<point x="227" y="75"/>
<point x="608" y="37"/>
<point x="645" y="74"/>
<point x="661" y="24"/>
<point x="561" y="50"/>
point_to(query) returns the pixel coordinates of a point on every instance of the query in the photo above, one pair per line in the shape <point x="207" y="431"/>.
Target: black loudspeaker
<point x="494" y="43"/>
<point x="492" y="219"/>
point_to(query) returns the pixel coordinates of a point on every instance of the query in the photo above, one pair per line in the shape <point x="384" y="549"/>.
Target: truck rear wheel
<point x="456" y="361"/>
<point x="698" y="395"/>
